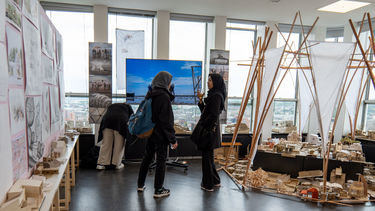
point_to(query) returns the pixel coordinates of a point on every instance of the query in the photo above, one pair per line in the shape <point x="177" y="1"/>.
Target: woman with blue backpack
<point x="163" y="133"/>
<point x="209" y="127"/>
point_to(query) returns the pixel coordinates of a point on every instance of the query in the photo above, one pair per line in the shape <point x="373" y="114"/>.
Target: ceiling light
<point x="343" y="6"/>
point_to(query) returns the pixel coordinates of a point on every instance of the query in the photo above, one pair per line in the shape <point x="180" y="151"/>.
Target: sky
<point x="140" y="72"/>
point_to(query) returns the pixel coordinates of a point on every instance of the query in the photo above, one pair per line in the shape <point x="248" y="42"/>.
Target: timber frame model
<point x="290" y="60"/>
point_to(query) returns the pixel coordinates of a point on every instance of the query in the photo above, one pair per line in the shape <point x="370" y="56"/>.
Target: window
<point x="284" y="113"/>
<point x="187" y="41"/>
<point x="240" y="38"/>
<point x="127" y="22"/>
<point x="77" y="31"/>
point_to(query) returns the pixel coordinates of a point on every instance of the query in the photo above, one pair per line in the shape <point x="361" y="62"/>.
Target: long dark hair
<point x="218" y="87"/>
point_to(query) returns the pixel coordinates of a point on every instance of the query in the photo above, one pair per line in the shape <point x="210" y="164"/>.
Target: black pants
<point x="210" y="175"/>
<point x="161" y="157"/>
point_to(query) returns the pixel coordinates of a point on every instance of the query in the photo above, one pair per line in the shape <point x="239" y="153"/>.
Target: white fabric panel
<point x="6" y="176"/>
<point x="272" y="58"/>
<point x="305" y="96"/>
<point x="129" y="44"/>
<point x="329" y="61"/>
<point x="271" y="61"/>
<point x="354" y="91"/>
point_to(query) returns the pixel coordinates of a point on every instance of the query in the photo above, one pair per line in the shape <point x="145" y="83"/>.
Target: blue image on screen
<point x="187" y="78"/>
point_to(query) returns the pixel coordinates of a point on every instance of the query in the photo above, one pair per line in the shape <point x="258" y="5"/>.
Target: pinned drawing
<point x="55" y="108"/>
<point x="34" y="129"/>
<point x="31" y="10"/>
<point x="48" y="70"/>
<point x="15" y="56"/>
<point x="3" y="74"/>
<point x="17" y="110"/>
<point x="31" y="39"/>
<point x="45" y="114"/>
<point x="59" y="51"/>
<point x="2" y="21"/>
<point x="19" y="157"/>
<point x="48" y="37"/>
<point x="13" y="14"/>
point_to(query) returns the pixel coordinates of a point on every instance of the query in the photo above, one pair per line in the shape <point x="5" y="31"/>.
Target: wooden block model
<point x="337" y="176"/>
<point x="307" y="174"/>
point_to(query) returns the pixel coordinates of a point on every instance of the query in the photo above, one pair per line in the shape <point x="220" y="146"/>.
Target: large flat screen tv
<point x="187" y="78"/>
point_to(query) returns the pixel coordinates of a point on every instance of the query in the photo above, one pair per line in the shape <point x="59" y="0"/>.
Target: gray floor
<point x="116" y="190"/>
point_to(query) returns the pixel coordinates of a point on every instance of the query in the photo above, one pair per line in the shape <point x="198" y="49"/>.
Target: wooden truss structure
<point x="290" y="60"/>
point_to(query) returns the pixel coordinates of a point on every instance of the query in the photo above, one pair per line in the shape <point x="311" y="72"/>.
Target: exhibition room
<point x="187" y="105"/>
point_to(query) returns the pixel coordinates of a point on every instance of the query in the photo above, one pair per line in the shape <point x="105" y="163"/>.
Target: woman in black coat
<point x="210" y="112"/>
<point x="163" y="134"/>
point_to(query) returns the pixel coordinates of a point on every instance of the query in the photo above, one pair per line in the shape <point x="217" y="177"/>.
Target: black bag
<point x="201" y="136"/>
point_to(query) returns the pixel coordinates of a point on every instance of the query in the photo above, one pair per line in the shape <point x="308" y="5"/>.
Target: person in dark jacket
<point x="211" y="108"/>
<point x="163" y="134"/>
<point x="113" y="132"/>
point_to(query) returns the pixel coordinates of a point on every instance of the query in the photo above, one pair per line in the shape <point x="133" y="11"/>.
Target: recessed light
<point x="343" y="6"/>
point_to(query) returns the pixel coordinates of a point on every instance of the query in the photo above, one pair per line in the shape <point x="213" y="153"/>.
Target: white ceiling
<point x="259" y="10"/>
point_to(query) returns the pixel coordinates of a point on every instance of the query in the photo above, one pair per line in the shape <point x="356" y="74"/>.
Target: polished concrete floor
<point x="116" y="190"/>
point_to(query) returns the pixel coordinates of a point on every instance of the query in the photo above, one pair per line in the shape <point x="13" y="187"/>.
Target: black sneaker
<point x="162" y="192"/>
<point x="141" y="189"/>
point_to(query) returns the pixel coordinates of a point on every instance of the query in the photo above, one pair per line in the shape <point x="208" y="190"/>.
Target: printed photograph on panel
<point x="34" y="129"/>
<point x="100" y="58"/>
<point x="100" y="84"/>
<point x="96" y="114"/>
<point x="15" y="56"/>
<point x="17" y="110"/>
<point x="100" y="100"/>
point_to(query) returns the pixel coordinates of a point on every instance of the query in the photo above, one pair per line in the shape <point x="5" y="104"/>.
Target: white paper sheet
<point x="2" y="21"/>
<point x="15" y="56"/>
<point x="48" y="35"/>
<point x="17" y="110"/>
<point x="129" y="44"/>
<point x="6" y="176"/>
<point x="31" y="10"/>
<point x="34" y="75"/>
<point x="3" y="74"/>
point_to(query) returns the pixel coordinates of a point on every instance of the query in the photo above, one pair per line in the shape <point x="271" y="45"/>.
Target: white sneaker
<point x="100" y="167"/>
<point x="120" y="166"/>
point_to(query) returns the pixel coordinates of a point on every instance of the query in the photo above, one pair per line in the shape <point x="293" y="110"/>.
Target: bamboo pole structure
<point x="262" y="48"/>
<point x="369" y="68"/>
<point x="267" y="105"/>
<point x="340" y="104"/>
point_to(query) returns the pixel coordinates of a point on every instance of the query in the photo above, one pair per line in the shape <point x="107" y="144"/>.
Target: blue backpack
<point x="140" y="123"/>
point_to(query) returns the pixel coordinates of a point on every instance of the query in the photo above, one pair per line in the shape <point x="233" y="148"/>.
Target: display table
<point x="275" y="162"/>
<point x="65" y="178"/>
<point x="368" y="148"/>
